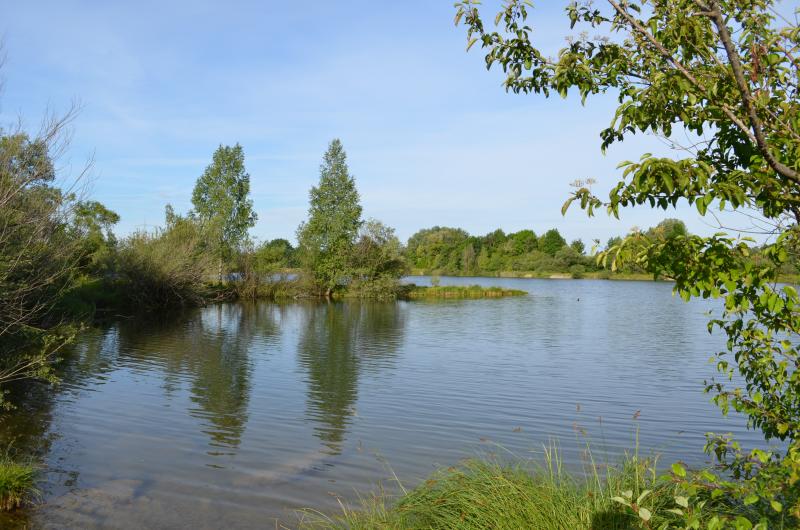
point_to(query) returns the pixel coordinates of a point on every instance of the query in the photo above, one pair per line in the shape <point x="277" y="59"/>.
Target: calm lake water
<point x="236" y="415"/>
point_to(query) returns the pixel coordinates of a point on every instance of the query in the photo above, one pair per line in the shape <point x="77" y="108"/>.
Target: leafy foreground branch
<point x="724" y="75"/>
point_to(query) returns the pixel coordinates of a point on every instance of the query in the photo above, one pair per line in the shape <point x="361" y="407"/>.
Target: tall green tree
<point x="327" y="238"/>
<point x="551" y="242"/>
<point x="578" y="246"/>
<point x="91" y="225"/>
<point x="523" y="241"/>
<point x="726" y="73"/>
<point x="221" y="200"/>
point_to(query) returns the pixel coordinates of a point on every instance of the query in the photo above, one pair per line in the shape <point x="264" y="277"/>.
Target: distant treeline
<point x="442" y="250"/>
<point x="453" y="251"/>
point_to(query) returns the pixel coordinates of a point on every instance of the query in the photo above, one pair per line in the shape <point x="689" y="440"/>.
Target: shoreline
<point x="600" y="275"/>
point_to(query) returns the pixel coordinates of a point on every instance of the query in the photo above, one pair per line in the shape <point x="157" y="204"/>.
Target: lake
<point x="236" y="415"/>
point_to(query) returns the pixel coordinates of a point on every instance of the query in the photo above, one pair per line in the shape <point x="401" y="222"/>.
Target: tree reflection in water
<point x="337" y="342"/>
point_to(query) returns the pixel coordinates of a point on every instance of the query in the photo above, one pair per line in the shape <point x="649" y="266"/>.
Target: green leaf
<point x="567" y="204"/>
<point x="679" y="470"/>
<point x="701" y="207"/>
<point x="642" y="496"/>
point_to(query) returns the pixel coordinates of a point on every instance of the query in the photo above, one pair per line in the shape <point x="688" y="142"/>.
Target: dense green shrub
<point x="166" y="267"/>
<point x="577" y="271"/>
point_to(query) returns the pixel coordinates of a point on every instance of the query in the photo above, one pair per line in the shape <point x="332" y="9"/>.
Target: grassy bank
<point x="480" y="494"/>
<point x="17" y="483"/>
<point x="485" y="493"/>
<point x="416" y="292"/>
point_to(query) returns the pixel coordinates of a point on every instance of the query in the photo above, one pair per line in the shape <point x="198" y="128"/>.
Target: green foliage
<point x="577" y="271"/>
<point x="442" y="248"/>
<point x="377" y="261"/>
<point x="221" y="200"/>
<point x="668" y="229"/>
<point x="91" y="225"/>
<point x="725" y="73"/>
<point x="523" y="241"/>
<point x="92" y="297"/>
<point x="578" y="246"/>
<point x="274" y="255"/>
<point x="453" y="251"/>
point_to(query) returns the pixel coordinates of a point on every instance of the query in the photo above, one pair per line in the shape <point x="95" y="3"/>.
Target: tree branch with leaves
<point x="725" y="73"/>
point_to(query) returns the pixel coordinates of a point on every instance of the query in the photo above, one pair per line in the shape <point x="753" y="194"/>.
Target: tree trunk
<point x="220" y="270"/>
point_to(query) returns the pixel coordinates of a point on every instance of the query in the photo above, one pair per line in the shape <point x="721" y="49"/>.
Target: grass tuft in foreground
<point x="455" y="292"/>
<point x="479" y="494"/>
<point x="17" y="483"/>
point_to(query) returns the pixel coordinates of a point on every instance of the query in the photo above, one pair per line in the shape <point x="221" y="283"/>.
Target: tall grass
<point x="17" y="483"/>
<point x="490" y="493"/>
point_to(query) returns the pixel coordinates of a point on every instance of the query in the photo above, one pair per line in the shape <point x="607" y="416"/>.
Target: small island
<point x="455" y="292"/>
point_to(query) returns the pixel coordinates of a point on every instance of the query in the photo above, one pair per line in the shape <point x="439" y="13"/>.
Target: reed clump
<point x="17" y="483"/>
<point x="455" y="292"/>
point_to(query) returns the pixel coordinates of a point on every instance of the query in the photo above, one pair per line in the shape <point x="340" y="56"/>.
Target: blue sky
<point x="432" y="137"/>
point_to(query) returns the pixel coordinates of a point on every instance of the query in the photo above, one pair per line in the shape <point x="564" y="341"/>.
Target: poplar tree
<point x="327" y="238"/>
<point x="221" y="200"/>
